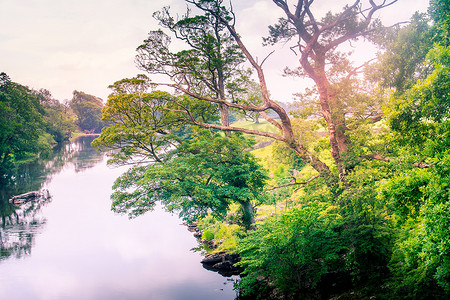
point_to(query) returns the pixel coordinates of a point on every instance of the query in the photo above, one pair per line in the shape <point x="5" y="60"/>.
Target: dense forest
<point x="32" y="122"/>
<point x="343" y="193"/>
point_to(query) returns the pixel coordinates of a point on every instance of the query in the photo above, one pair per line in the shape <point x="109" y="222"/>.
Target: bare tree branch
<point x="303" y="184"/>
<point x="266" y="58"/>
<point x="186" y="111"/>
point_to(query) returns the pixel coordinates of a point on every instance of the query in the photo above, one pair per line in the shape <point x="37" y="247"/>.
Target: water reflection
<point x="20" y="223"/>
<point x="32" y="176"/>
<point x="82" y="250"/>
<point x="19" y="226"/>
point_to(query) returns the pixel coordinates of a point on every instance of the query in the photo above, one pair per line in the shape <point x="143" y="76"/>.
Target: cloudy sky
<point x="86" y="45"/>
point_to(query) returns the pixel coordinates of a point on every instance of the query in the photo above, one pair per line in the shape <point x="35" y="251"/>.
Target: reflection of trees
<point x="18" y="229"/>
<point x="32" y="176"/>
<point x="85" y="155"/>
<point x="19" y="224"/>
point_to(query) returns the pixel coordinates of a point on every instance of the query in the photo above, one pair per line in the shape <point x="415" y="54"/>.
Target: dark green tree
<point x="21" y="123"/>
<point x="291" y="254"/>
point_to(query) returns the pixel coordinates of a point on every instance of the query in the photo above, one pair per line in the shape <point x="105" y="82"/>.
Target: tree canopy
<point x="21" y="122"/>
<point x="88" y="110"/>
<point x="204" y="174"/>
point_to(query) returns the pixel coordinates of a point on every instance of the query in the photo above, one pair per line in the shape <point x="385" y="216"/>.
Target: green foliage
<point x="208" y="235"/>
<point x="88" y="110"/>
<point x="292" y="252"/>
<point x="209" y="66"/>
<point x="404" y="193"/>
<point x="439" y="12"/>
<point x="31" y="123"/>
<point x="150" y="129"/>
<point x="223" y="234"/>
<point x="21" y="123"/>
<point x="203" y="174"/>
<point x="418" y="198"/>
<point x="59" y="118"/>
<point x="403" y="62"/>
<point x="423" y="109"/>
<point x="421" y="259"/>
<point x="326" y="245"/>
<point x="144" y="126"/>
<point x="368" y="229"/>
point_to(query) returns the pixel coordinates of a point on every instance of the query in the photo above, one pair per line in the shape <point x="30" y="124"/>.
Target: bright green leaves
<point x="421" y="257"/>
<point x="404" y="194"/>
<point x="421" y="112"/>
<point x="419" y="198"/>
<point x="139" y="125"/>
<point x="432" y="94"/>
<point x="203" y="174"/>
<point x="292" y="252"/>
<point x="144" y="126"/>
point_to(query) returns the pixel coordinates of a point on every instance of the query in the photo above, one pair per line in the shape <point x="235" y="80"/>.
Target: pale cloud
<point x="88" y="44"/>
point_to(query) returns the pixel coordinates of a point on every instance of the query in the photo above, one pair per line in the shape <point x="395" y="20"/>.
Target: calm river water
<point x="74" y="247"/>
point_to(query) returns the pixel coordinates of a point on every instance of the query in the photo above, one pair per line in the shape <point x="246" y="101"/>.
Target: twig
<point x="303" y="184"/>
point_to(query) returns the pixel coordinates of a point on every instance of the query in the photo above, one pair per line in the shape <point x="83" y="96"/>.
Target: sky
<point x="86" y="45"/>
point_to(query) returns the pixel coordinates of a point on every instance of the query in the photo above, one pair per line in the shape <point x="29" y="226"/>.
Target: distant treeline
<point x="32" y="121"/>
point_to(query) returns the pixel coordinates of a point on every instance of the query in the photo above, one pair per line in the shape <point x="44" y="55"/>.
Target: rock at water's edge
<point x="223" y="263"/>
<point x="30" y="196"/>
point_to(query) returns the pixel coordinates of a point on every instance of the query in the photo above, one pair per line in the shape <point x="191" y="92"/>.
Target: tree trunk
<point x="248" y="216"/>
<point x="332" y="112"/>
<point x="224" y="115"/>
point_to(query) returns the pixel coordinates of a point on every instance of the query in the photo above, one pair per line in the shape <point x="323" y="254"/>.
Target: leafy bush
<point x="208" y="235"/>
<point x="421" y="260"/>
<point x="292" y="252"/>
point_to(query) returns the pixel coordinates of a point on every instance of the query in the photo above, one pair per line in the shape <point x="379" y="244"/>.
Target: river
<point x="74" y="247"/>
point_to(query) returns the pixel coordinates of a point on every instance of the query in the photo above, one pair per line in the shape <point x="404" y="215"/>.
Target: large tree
<point x="316" y="42"/>
<point x="191" y="172"/>
<point x="210" y="71"/>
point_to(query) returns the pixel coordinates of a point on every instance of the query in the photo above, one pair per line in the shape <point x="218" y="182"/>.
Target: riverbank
<point x="222" y="262"/>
